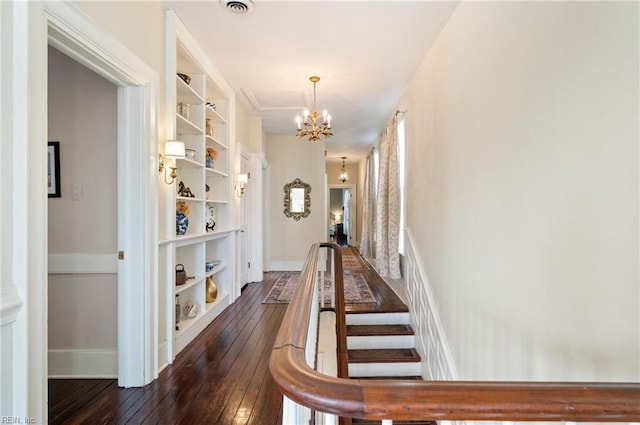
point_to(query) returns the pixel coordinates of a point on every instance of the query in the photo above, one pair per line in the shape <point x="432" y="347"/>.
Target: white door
<point x="346" y="202"/>
<point x="245" y="207"/>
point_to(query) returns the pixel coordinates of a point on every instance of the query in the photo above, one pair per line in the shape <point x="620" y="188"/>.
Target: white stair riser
<point x="384" y="369"/>
<point x="380" y="341"/>
<point x="378" y="319"/>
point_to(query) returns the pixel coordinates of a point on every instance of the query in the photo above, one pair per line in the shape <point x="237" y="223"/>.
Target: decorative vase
<point x="211" y="290"/>
<point x="209" y="162"/>
<point x="208" y="127"/>
<point x="182" y="222"/>
<point x="211" y="218"/>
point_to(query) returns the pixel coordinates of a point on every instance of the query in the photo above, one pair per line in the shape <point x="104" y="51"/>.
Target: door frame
<point x="70" y="32"/>
<point x="62" y="25"/>
<point x="353" y="220"/>
<point x="245" y="232"/>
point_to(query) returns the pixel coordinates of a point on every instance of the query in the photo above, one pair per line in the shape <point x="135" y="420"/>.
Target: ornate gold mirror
<point x="297" y="199"/>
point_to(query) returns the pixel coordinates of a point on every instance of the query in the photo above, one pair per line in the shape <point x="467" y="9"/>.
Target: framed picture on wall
<point x="53" y="170"/>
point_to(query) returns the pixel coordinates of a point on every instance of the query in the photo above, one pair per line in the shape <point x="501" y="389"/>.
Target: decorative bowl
<point x="210" y="265"/>
<point x="210" y="105"/>
<point x="190" y="153"/>
<point x="184" y="78"/>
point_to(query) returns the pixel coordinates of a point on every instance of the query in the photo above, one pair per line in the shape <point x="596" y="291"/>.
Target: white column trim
<point x="10" y="304"/>
<point x="256" y="217"/>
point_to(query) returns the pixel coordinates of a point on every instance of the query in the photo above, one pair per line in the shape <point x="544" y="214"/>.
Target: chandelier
<point x="308" y="125"/>
<point x="343" y="175"/>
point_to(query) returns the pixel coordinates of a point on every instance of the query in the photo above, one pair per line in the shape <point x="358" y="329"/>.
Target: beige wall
<point x="334" y="170"/>
<point x="83" y="118"/>
<point x="139" y="25"/>
<point x="122" y="20"/>
<point x="242" y="123"/>
<point x="248" y="130"/>
<point x="290" y="158"/>
<point x="522" y="151"/>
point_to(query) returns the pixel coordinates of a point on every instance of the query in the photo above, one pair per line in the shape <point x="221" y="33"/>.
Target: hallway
<point x="222" y="377"/>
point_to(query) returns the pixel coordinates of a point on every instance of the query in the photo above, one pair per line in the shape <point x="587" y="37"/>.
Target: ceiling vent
<point x="239" y="7"/>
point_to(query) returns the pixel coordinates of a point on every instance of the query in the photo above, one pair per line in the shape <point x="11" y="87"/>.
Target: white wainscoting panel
<point x="431" y="342"/>
<point x="83" y="263"/>
<point x="94" y="364"/>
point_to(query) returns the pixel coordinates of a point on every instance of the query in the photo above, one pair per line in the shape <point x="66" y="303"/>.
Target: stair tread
<point x="386" y="355"/>
<point x="378" y="330"/>
<point x="382" y="309"/>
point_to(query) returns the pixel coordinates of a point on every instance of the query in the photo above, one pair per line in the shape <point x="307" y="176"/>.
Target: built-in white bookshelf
<point x="200" y="115"/>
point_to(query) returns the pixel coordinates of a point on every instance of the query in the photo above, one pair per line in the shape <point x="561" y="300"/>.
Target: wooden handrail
<point x="433" y="400"/>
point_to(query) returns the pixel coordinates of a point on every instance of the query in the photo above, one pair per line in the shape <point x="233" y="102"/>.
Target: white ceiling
<point x="365" y="52"/>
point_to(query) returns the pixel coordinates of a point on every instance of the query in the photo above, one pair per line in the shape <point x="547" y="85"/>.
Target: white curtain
<point x="387" y="227"/>
<point x="367" y="238"/>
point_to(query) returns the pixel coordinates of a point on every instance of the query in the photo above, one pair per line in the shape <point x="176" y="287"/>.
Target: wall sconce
<point x="241" y="180"/>
<point x="172" y="149"/>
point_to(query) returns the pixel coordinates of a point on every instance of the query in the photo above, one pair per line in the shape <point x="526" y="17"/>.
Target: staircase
<point x="381" y="346"/>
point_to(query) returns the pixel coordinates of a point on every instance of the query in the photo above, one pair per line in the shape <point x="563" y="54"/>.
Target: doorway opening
<point x="342" y="215"/>
<point x="82" y="222"/>
<point x="133" y="254"/>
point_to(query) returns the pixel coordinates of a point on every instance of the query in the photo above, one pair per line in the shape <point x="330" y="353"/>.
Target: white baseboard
<point x="286" y="266"/>
<point x="94" y="364"/>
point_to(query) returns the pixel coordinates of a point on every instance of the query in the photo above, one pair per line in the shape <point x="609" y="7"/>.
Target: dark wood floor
<point x="222" y="377"/>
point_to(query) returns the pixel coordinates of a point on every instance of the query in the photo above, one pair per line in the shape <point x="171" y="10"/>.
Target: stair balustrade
<point x="292" y="365"/>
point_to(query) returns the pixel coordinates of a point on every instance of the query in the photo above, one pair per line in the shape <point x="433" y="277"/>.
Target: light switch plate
<point x="76" y="192"/>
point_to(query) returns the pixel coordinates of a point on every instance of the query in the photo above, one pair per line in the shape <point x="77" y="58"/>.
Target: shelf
<point x="193" y="248"/>
<point x="186" y="324"/>
<point x="186" y="127"/>
<point x="190" y="283"/>
<point x="215" y="116"/>
<point x="213" y="141"/>
<point x="219" y="233"/>
<point x="210" y="306"/>
<point x="214" y="171"/>
<point x="197" y="237"/>
<point x="216" y="269"/>
<point x="188" y="199"/>
<point x="186" y="93"/>
<point x="188" y="163"/>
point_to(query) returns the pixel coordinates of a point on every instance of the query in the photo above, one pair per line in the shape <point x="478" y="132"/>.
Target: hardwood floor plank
<point x="172" y="377"/>
<point x="231" y="373"/>
<point x="80" y="403"/>
<point x="222" y="377"/>
<point x="126" y="398"/>
<point x="239" y="405"/>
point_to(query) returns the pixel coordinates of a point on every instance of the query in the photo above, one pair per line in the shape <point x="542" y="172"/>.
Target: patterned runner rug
<point x="351" y="259"/>
<point x="356" y="289"/>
